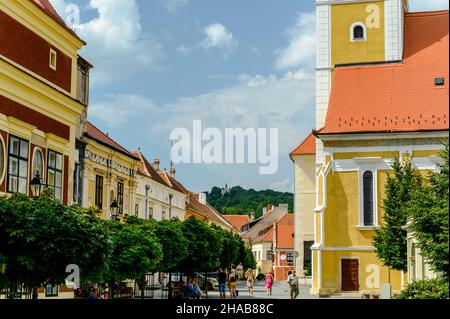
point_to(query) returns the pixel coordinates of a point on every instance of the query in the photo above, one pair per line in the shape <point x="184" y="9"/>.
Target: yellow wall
<point x="369" y="265"/>
<point x="342" y="49"/>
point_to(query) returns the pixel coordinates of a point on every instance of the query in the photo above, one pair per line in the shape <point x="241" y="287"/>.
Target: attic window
<point x="53" y="57"/>
<point x="439" y="81"/>
<point x="358" y="32"/>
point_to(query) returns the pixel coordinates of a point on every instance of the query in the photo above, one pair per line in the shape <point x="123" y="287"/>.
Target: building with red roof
<point x="382" y="91"/>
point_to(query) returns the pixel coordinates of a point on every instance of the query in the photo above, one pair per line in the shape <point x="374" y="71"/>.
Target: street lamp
<point x="114" y="207"/>
<point x="37" y="184"/>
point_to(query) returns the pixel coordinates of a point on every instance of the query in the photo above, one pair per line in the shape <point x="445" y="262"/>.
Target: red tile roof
<point x="265" y="238"/>
<point x="96" y="134"/>
<point x="237" y="220"/>
<point x="47" y="8"/>
<point x="193" y="202"/>
<point x="285" y="231"/>
<point x="397" y="97"/>
<point x="307" y="147"/>
<point x="146" y="169"/>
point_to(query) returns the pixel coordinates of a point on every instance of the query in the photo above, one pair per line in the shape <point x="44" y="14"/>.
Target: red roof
<point x="96" y="134"/>
<point x="307" y="147"/>
<point x="285" y="231"/>
<point x="46" y="6"/>
<point x="237" y="220"/>
<point x="397" y="97"/>
<point x="146" y="169"/>
<point x="265" y="238"/>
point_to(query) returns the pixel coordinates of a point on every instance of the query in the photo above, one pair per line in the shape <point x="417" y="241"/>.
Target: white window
<point x="53" y="59"/>
<point x="368" y="198"/>
<point x="55" y="173"/>
<point x="18" y="165"/>
<point x="38" y="164"/>
<point x="358" y="32"/>
<point x="2" y="159"/>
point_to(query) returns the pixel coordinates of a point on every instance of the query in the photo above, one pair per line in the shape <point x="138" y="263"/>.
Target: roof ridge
<point x="427" y="13"/>
<point x="109" y="138"/>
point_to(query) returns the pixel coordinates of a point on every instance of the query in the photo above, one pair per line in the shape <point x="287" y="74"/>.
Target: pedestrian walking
<point x="293" y="282"/>
<point x="222" y="279"/>
<point x="240" y="271"/>
<point x="269" y="283"/>
<point x="232" y="282"/>
<point x="250" y="276"/>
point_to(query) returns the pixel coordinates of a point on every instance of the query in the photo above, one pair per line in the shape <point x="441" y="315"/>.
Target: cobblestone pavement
<point x="280" y="291"/>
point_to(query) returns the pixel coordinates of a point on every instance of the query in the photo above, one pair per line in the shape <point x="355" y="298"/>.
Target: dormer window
<point x="358" y="32"/>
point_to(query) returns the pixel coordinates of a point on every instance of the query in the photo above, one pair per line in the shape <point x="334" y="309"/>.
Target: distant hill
<point x="239" y="201"/>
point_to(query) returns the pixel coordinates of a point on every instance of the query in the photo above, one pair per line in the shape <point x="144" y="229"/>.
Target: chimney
<point x="269" y="208"/>
<point x="264" y="211"/>
<point x="155" y="165"/>
<point x="284" y="207"/>
<point x="252" y="216"/>
<point x="172" y="170"/>
<point x="202" y="198"/>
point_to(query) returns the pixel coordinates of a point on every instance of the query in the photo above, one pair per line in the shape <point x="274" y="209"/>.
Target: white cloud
<point x="428" y="5"/>
<point x="302" y="44"/>
<point x="218" y="37"/>
<point x="118" y="110"/>
<point x="255" y="102"/>
<point x="283" y="186"/>
<point x="117" y="46"/>
<point x="174" y="5"/>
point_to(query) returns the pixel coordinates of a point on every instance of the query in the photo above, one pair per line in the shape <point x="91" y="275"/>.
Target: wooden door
<point x="350" y="274"/>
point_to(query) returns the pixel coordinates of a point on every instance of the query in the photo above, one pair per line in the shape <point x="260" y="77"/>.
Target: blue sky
<point x="161" y="64"/>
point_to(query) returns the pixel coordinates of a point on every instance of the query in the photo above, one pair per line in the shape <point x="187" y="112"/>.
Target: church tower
<point x="352" y="32"/>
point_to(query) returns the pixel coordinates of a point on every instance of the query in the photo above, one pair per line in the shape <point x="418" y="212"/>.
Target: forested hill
<point x="239" y="201"/>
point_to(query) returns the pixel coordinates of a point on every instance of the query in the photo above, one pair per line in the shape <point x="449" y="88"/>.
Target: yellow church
<point x="381" y="92"/>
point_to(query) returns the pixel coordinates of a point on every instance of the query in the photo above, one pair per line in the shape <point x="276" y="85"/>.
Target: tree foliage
<point x="203" y="253"/>
<point x="240" y="201"/>
<point x="136" y="251"/>
<point x="429" y="217"/>
<point x="390" y="239"/>
<point x="40" y="238"/>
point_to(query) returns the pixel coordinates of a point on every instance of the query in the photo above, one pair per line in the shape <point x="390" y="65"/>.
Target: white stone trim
<point x="363" y="169"/>
<point x="393" y="31"/>
<point x="342" y="248"/>
<point x="371" y="149"/>
<point x="5" y="159"/>
<point x="352" y="33"/>
<point x="382" y="136"/>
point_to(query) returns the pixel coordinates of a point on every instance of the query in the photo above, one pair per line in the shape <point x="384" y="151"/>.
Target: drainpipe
<point x="147" y="188"/>
<point x="170" y="206"/>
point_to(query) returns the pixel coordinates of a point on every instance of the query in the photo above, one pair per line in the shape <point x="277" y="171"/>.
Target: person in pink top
<point x="269" y="283"/>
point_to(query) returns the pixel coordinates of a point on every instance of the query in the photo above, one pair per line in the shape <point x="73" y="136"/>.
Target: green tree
<point x="429" y="217"/>
<point x="390" y="239"/>
<point x="248" y="258"/>
<point x="39" y="238"/>
<point x="241" y="201"/>
<point x="204" y="248"/>
<point x="136" y="251"/>
<point x="174" y="244"/>
<point x="231" y="247"/>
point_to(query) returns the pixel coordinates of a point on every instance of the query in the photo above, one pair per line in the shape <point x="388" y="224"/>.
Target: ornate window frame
<point x="352" y="32"/>
<point x="4" y="159"/>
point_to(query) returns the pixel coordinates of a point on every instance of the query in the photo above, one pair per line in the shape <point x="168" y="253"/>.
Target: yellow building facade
<point x="39" y="107"/>
<point x="370" y="77"/>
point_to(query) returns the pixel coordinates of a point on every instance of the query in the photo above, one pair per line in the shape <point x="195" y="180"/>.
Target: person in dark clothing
<point x="222" y="278"/>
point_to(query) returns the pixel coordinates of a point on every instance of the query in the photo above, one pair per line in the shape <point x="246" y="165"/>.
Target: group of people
<point x="231" y="276"/>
